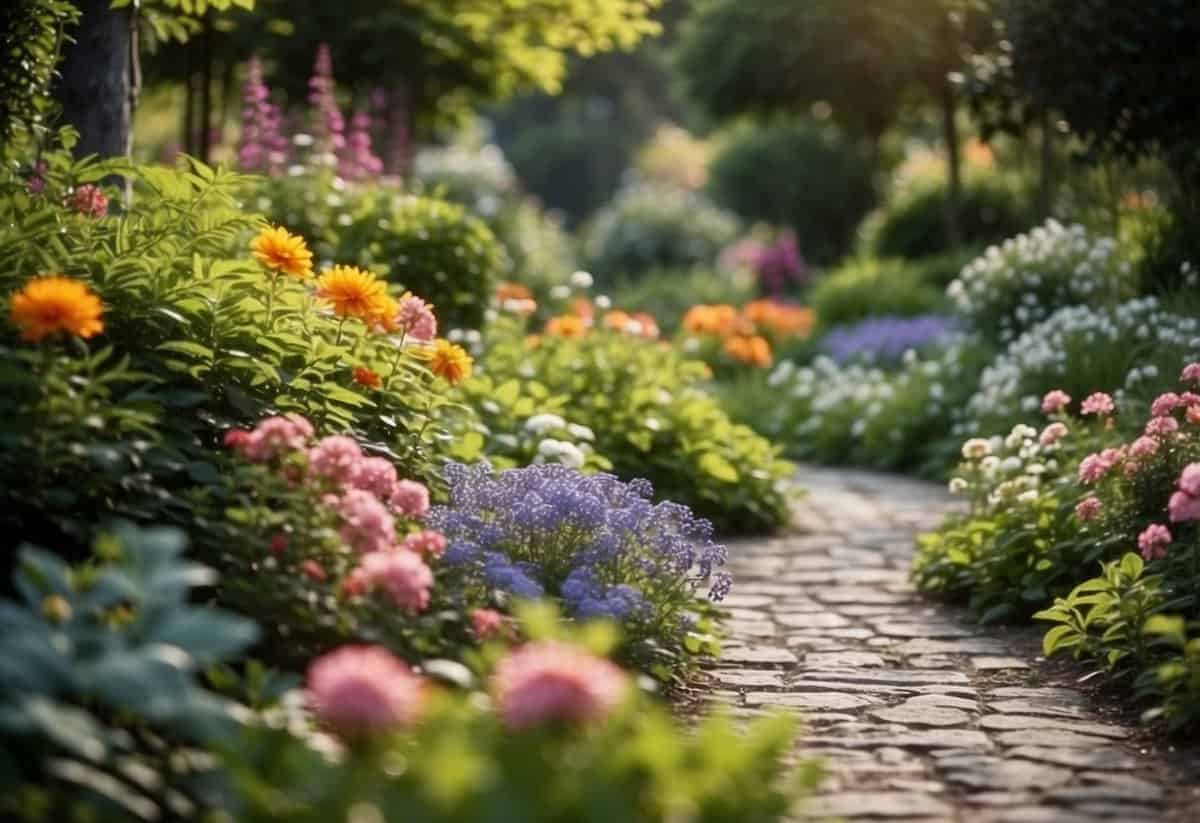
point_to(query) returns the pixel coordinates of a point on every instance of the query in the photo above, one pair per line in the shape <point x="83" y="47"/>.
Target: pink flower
<point x="1162" y="426"/>
<point x="1193" y="414"/>
<point x="335" y="458"/>
<point x="1153" y="542"/>
<point x="415" y="319"/>
<point x="1189" y="480"/>
<point x="1144" y="446"/>
<point x="367" y="525"/>
<point x="1055" y="401"/>
<point x="426" y="543"/>
<point x="410" y="499"/>
<point x="1191" y="373"/>
<point x="1183" y="507"/>
<point x="553" y="682"/>
<point x="403" y="576"/>
<point x="1088" y="508"/>
<point x="314" y="571"/>
<point x="1164" y="404"/>
<point x="1099" y="404"/>
<point x="1095" y="466"/>
<point x="375" y="475"/>
<point x="1053" y="433"/>
<point x="279" y="544"/>
<point x="236" y="439"/>
<point x="277" y="435"/>
<point x="90" y="201"/>
<point x="486" y="623"/>
<point x="356" y="690"/>
<point x="1189" y="399"/>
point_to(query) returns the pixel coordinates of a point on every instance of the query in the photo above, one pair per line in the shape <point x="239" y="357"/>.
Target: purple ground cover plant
<point x="598" y="544"/>
<point x="885" y="339"/>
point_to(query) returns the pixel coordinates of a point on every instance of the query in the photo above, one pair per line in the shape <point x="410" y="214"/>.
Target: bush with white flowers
<point x="1015" y="285"/>
<point x="1081" y="349"/>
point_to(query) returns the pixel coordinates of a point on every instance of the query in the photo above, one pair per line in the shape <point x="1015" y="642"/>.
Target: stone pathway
<point x="920" y="715"/>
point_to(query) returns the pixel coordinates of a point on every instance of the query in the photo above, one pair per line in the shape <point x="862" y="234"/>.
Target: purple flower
<point x="601" y="545"/>
<point x="886" y="338"/>
<point x="328" y="124"/>
<point x="263" y="146"/>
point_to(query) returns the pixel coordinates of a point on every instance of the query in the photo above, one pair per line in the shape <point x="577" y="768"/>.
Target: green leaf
<point x="1056" y="638"/>
<point x="716" y="466"/>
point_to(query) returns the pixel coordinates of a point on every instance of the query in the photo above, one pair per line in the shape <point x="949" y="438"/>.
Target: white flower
<point x="958" y="485"/>
<point x="562" y="452"/>
<point x="581" y="280"/>
<point x="1028" y="497"/>
<point x="976" y="448"/>
<point x="560" y="292"/>
<point x="580" y="432"/>
<point x="544" y="422"/>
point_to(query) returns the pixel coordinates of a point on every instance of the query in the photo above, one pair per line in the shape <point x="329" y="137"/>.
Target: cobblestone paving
<point x="920" y="715"/>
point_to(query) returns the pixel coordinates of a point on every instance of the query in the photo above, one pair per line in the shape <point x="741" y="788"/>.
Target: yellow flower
<point x="51" y="304"/>
<point x="353" y="293"/>
<point x="450" y="362"/>
<point x="281" y="251"/>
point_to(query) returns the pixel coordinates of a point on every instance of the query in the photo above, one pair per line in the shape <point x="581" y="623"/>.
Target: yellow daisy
<point x="51" y="304"/>
<point x="354" y="293"/>
<point x="281" y="251"/>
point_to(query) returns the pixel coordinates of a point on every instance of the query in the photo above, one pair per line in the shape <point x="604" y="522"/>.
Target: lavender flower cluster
<point x="885" y="339"/>
<point x="594" y="541"/>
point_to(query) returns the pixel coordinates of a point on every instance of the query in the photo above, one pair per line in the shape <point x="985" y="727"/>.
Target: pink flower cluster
<point x="358" y="690"/>
<point x="1055" y="401"/>
<point x="1153" y="542"/>
<point x="328" y="125"/>
<point x="89" y="200"/>
<point x="1184" y="504"/>
<point x="1191" y="373"/>
<point x="1052" y="434"/>
<point x="401" y="575"/>
<point x="359" y="161"/>
<point x="486" y="624"/>
<point x="1098" y="403"/>
<point x="1095" y="466"/>
<point x="416" y="319"/>
<point x="1088" y="509"/>
<point x="555" y="683"/>
<point x="263" y="146"/>
<point x="271" y="438"/>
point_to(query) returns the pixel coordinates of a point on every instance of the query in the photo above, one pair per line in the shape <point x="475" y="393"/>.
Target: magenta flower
<point x="401" y="575"/>
<point x="1088" y="508"/>
<point x="328" y="124"/>
<point x="360" y="690"/>
<point x="263" y="146"/>
<point x="1189" y="480"/>
<point x="1055" y="401"/>
<point x="416" y="319"/>
<point x="555" y="683"/>
<point x="1153" y="542"/>
<point x="1183" y="507"/>
<point x="359" y="161"/>
<point x="275" y="436"/>
<point x="1099" y="404"/>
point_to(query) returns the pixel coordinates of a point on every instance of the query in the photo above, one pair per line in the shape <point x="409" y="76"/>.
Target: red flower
<point x="366" y="377"/>
<point x="314" y="571"/>
<point x="279" y="543"/>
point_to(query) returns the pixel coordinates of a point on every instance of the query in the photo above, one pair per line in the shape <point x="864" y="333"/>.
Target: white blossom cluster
<point x="1012" y="286"/>
<point x="1002" y="471"/>
<point x="1074" y="344"/>
<point x="549" y="438"/>
<point x="479" y="178"/>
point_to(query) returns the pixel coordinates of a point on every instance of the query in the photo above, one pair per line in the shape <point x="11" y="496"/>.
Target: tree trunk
<point x="206" y="83"/>
<point x="953" y="165"/>
<point x="98" y="86"/>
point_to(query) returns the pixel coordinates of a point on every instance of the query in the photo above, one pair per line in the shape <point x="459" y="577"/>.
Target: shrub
<point x="428" y="246"/>
<point x="861" y="289"/>
<point x="478" y="178"/>
<point x="564" y="737"/>
<point x="667" y="294"/>
<point x="652" y="419"/>
<point x="541" y="252"/>
<point x="593" y="542"/>
<point x="800" y="174"/>
<point x="913" y="224"/>
<point x="1020" y="283"/>
<point x="648" y="227"/>
<point x="1081" y="349"/>
<point x="99" y="681"/>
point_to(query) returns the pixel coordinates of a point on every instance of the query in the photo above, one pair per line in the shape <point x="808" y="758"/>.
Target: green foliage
<point x="98" y="680"/>
<point x="913" y="223"/>
<point x="648" y="227"/>
<point x="653" y="419"/>
<point x="430" y="247"/>
<point x="31" y="34"/>
<point x="868" y="287"/>
<point x="799" y="174"/>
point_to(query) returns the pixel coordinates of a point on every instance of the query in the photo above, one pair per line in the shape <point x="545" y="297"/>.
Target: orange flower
<point x="584" y="310"/>
<point x="281" y="251"/>
<point x="353" y="293"/>
<point x="385" y="317"/>
<point x="649" y="326"/>
<point x="569" y="326"/>
<point x="721" y="320"/>
<point x="51" y="304"/>
<point x="512" y="291"/>
<point x="617" y="321"/>
<point x="779" y="318"/>
<point x="450" y="362"/>
<point x="366" y="377"/>
<point x="752" y="350"/>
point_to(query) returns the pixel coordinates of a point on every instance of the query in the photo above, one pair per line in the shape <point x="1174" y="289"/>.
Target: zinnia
<point x="279" y="250"/>
<point x="51" y="304"/>
<point x="566" y="325"/>
<point x="353" y="292"/>
<point x="449" y="361"/>
<point x="553" y="682"/>
<point x="415" y="318"/>
<point x="356" y="690"/>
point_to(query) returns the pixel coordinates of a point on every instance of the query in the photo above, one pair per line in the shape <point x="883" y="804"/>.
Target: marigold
<point x="367" y="377"/>
<point x="281" y="251"/>
<point x="569" y="326"/>
<point x="51" y="304"/>
<point x="720" y="320"/>
<point x="755" y="350"/>
<point x="617" y="320"/>
<point x="512" y="291"/>
<point x="354" y="293"/>
<point x="450" y="362"/>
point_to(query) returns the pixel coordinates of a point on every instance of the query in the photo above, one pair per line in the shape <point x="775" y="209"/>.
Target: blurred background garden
<point x="412" y="351"/>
